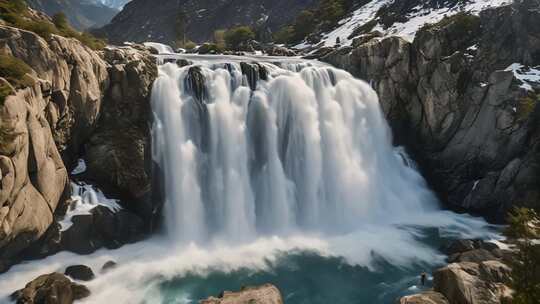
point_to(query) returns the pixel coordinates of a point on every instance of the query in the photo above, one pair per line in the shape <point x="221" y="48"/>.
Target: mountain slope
<point x="399" y="18"/>
<point x="82" y="14"/>
<point x="143" y="20"/>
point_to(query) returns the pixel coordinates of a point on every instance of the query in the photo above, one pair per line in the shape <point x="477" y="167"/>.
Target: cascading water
<point x="303" y="148"/>
<point x="273" y="172"/>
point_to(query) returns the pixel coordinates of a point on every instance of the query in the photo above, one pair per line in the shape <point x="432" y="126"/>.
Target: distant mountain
<point x="145" y="20"/>
<point x="82" y="14"/>
<point x="116" y="4"/>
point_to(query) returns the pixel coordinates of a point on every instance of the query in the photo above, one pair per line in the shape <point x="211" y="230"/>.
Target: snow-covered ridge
<point x="416" y="19"/>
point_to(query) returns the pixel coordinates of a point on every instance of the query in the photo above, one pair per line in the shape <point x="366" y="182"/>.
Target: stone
<point x="428" y="297"/>
<point x="265" y="294"/>
<point x="54" y="288"/>
<point x="109" y="265"/>
<point x="470" y="283"/>
<point x="475" y="255"/>
<point x="80" y="272"/>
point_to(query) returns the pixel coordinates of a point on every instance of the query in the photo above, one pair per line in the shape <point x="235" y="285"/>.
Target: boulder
<point x="475" y="255"/>
<point x="428" y="297"/>
<point x="54" y="288"/>
<point x="265" y="294"/>
<point x="80" y="272"/>
<point x="471" y="283"/>
<point x="109" y="265"/>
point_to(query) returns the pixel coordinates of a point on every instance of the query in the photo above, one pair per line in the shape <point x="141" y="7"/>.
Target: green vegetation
<point x="5" y="91"/>
<point x="15" y="71"/>
<point x="16" y="14"/>
<point x="463" y="23"/>
<point x="525" y="228"/>
<point x="210" y="48"/>
<point x="526" y="106"/>
<point x="219" y="38"/>
<point x="238" y="37"/>
<point x="323" y="17"/>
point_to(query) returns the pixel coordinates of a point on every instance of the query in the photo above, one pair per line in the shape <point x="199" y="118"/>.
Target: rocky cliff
<point x="48" y="124"/>
<point x="146" y="20"/>
<point x="459" y="99"/>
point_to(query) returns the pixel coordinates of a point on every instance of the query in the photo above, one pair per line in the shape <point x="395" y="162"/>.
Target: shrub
<point x="526" y="106"/>
<point x="15" y="71"/>
<point x="237" y="37"/>
<point x="210" y="48"/>
<point x="190" y="45"/>
<point x="5" y="91"/>
<point x="524" y="226"/>
<point x="219" y="38"/>
<point x="284" y="35"/>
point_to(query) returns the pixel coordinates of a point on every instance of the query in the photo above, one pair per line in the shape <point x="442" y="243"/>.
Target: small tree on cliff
<point x="525" y="228"/>
<point x="238" y="37"/>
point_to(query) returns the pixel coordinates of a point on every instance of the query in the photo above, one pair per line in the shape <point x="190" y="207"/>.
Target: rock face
<point x="428" y="297"/>
<point x="448" y="98"/>
<point x="80" y="272"/>
<point x="51" y="288"/>
<point x="143" y="20"/>
<point x="119" y="152"/>
<point x="46" y="127"/>
<point x="471" y="283"/>
<point x="38" y="123"/>
<point x="265" y="294"/>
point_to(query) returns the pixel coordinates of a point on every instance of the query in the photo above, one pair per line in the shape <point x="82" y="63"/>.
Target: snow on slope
<point x="529" y="77"/>
<point x="407" y="30"/>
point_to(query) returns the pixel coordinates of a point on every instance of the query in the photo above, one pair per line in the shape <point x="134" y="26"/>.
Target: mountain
<point x="116" y="4"/>
<point x="143" y="20"/>
<point x="82" y="14"/>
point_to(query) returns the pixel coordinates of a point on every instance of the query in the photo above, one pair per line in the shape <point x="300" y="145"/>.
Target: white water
<point x="304" y="162"/>
<point x="307" y="151"/>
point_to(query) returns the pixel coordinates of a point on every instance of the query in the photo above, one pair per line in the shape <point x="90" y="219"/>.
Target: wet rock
<point x="109" y="265"/>
<point x="265" y="294"/>
<point x="428" y="297"/>
<point x="280" y="51"/>
<point x="196" y="85"/>
<point x="253" y="72"/>
<point x="54" y="288"/>
<point x="80" y="272"/>
<point x="118" y="154"/>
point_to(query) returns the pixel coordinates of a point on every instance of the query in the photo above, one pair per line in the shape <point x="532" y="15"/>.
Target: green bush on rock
<point x="525" y="228"/>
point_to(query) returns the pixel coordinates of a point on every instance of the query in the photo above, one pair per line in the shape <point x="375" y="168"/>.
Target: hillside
<point x="82" y="14"/>
<point x="143" y="20"/>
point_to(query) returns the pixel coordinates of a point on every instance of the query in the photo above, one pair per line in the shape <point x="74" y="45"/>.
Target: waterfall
<point x="251" y="149"/>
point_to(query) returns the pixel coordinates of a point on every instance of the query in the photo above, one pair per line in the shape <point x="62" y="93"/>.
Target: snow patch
<point x="527" y="76"/>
